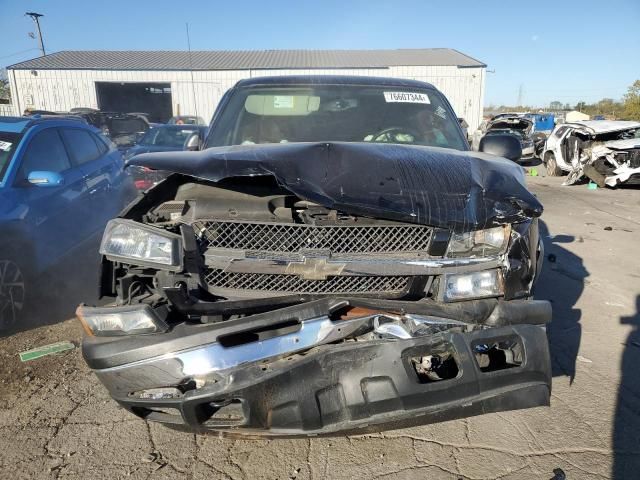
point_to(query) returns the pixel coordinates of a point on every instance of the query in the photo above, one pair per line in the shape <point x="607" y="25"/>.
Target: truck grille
<point x="291" y="238"/>
<point x="288" y="284"/>
<point x="284" y="242"/>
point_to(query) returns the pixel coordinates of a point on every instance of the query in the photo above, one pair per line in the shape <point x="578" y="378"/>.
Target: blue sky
<point x="562" y="50"/>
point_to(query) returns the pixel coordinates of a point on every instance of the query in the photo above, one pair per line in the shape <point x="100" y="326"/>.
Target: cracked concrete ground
<point x="56" y="420"/>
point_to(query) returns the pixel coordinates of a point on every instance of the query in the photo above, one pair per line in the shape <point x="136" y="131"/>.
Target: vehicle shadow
<point x="562" y="283"/>
<point x="60" y="290"/>
<point x="626" y="424"/>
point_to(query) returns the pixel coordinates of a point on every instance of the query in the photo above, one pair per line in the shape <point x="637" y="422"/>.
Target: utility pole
<point x="520" y="95"/>
<point x="35" y="17"/>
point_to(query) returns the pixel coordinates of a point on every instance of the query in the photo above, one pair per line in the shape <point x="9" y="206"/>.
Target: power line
<point x="19" y="53"/>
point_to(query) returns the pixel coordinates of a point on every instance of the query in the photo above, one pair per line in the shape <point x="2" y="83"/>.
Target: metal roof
<point x="244" y="60"/>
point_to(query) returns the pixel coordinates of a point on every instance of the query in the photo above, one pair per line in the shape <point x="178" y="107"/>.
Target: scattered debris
<point x="150" y="457"/>
<point x="592" y="186"/>
<point x="558" y="474"/>
<point x="46" y="350"/>
<point x="608" y="229"/>
<point x="582" y="359"/>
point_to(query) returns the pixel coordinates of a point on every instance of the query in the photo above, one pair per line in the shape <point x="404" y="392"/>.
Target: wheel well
<point x="16" y="243"/>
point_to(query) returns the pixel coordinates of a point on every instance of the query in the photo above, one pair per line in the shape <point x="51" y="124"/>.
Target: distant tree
<point x="5" y="93"/>
<point x="607" y="106"/>
<point x="555" y="105"/>
<point x="580" y="106"/>
<point x="632" y="102"/>
<point x="566" y="107"/>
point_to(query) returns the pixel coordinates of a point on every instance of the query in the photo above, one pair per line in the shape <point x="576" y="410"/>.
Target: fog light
<point x="472" y="285"/>
<point x="116" y="321"/>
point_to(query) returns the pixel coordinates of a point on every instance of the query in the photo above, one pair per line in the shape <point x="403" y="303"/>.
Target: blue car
<point x="164" y="138"/>
<point x="60" y="181"/>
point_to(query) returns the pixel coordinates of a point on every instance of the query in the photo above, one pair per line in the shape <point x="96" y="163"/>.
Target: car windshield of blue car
<point x="167" y="137"/>
<point x="344" y="113"/>
<point x="8" y="143"/>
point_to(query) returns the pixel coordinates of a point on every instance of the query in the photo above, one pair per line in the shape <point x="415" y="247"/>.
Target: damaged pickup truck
<point x="334" y="260"/>
<point x="606" y="152"/>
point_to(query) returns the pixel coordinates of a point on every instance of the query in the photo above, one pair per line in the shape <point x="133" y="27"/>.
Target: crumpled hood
<point x="426" y="185"/>
<point x="517" y="123"/>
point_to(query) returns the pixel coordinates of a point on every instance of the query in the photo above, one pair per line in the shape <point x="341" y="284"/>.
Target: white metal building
<point x="166" y="83"/>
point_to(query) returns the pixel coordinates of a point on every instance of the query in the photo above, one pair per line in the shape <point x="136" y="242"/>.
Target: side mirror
<point x="45" y="179"/>
<point x="193" y="143"/>
<point x="507" y="146"/>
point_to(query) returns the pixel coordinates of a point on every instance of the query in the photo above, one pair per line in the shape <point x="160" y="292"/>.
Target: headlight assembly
<point x="466" y="286"/>
<point x="133" y="242"/>
<point x="481" y="243"/>
<point x="117" y="321"/>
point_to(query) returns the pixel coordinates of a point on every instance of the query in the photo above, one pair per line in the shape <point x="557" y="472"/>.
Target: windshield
<point x="167" y="137"/>
<point x="8" y="144"/>
<point x="126" y="126"/>
<point x="345" y="113"/>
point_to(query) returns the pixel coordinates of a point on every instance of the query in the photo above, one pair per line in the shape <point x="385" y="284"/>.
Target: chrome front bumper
<point x="308" y="378"/>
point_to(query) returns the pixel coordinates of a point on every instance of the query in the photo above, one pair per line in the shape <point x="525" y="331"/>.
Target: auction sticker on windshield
<point x="406" y="97"/>
<point x="5" y="146"/>
<point x="282" y="101"/>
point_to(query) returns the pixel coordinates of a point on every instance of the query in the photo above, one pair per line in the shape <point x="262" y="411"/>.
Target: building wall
<point x="61" y="90"/>
<point x="6" y="109"/>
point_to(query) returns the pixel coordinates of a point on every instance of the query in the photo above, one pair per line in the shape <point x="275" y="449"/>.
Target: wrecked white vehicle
<point x="606" y="152"/>
<point x="508" y="124"/>
<point x="334" y="260"/>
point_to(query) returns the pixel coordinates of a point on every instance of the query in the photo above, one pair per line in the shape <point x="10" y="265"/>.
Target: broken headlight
<point x="133" y="242"/>
<point x="465" y="286"/>
<point x="481" y="243"/>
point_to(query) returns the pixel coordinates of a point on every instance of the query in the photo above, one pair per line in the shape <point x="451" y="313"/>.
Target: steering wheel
<point x="391" y="132"/>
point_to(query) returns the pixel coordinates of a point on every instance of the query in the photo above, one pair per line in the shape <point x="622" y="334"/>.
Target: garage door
<point x="153" y="99"/>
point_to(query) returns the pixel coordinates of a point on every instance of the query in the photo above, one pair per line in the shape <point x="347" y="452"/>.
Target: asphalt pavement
<point x="57" y="421"/>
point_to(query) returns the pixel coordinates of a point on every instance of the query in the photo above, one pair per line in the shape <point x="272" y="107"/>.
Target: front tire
<point x="553" y="170"/>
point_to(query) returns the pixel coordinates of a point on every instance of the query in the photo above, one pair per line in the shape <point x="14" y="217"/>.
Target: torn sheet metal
<point x="608" y="163"/>
<point x="598" y="127"/>
<point x="426" y="185"/>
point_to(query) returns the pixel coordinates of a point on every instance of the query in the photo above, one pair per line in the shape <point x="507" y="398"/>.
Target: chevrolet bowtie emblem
<point x="315" y="268"/>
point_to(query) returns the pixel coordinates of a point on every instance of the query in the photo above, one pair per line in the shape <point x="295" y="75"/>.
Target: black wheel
<point x="13" y="292"/>
<point x="553" y="170"/>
